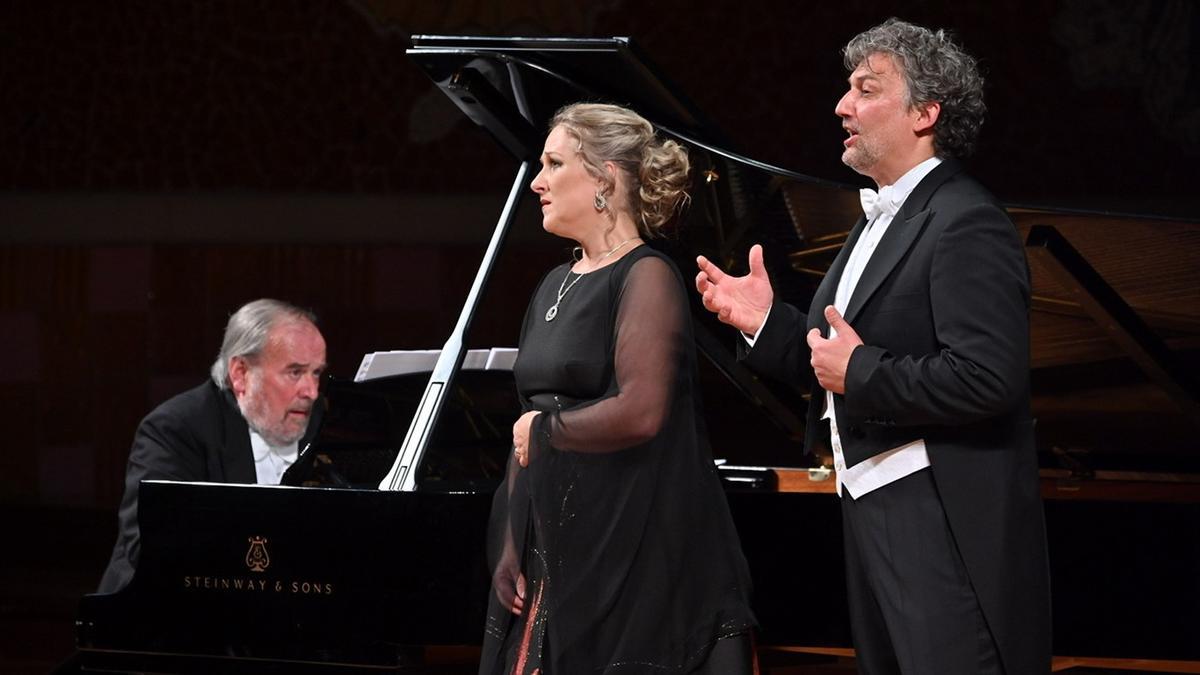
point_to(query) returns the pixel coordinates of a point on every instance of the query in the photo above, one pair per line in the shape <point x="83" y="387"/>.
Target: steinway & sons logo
<point x="256" y="558"/>
<point x="257" y="561"/>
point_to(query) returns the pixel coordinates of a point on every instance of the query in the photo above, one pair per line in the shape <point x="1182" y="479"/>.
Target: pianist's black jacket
<point x="199" y="435"/>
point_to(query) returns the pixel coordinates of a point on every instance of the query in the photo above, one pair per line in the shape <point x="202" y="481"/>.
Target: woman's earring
<point x="600" y="202"/>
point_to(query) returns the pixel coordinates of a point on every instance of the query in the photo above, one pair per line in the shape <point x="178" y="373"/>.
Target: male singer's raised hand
<point x="741" y="302"/>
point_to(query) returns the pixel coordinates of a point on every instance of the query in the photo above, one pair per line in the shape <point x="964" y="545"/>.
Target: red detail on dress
<point x="530" y="621"/>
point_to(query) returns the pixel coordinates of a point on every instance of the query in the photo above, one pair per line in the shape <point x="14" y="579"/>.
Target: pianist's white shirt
<point x="270" y="462"/>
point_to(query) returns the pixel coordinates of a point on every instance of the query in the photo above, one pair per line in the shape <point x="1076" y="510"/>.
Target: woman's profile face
<point x="566" y="189"/>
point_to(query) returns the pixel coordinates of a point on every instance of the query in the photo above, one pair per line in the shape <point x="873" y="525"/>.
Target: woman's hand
<point x="510" y="590"/>
<point x="521" y="437"/>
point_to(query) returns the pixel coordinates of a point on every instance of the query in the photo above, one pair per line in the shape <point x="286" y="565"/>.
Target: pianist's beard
<point x="277" y="427"/>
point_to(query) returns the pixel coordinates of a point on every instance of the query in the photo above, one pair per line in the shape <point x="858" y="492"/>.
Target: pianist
<point x="244" y="425"/>
<point x="925" y="377"/>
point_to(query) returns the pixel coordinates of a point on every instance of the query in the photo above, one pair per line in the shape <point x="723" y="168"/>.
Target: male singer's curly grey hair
<point x="935" y="69"/>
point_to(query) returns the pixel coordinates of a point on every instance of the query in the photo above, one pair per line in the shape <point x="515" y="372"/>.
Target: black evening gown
<point x="619" y="524"/>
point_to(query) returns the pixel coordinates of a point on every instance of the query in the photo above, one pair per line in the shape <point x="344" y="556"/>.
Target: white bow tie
<point x="875" y="203"/>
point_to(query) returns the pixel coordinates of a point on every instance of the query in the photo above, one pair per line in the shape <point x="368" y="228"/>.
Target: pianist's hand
<point x="741" y="302"/>
<point x="521" y="437"/>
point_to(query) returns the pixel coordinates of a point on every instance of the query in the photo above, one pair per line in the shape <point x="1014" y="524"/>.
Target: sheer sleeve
<point x="507" y="530"/>
<point x="649" y="332"/>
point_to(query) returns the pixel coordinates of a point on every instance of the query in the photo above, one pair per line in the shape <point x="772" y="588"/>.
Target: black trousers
<point x="912" y="608"/>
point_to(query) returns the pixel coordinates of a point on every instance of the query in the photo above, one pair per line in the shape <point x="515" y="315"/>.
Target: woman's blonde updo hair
<point x="656" y="171"/>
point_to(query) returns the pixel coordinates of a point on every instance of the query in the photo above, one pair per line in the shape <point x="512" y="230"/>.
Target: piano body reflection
<point x="335" y="573"/>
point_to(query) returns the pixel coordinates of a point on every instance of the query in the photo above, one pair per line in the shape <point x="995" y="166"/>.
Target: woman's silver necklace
<point x="564" y="287"/>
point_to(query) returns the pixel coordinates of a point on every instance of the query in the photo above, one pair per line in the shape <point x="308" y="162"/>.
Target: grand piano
<point x="372" y="558"/>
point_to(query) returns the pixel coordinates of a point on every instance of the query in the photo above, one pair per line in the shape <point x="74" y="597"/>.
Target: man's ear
<point x="239" y="371"/>
<point x="927" y="116"/>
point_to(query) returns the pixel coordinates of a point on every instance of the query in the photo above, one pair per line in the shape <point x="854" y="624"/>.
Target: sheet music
<point x="405" y="361"/>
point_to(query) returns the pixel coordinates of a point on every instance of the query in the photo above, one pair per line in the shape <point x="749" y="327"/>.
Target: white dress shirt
<point x="886" y="467"/>
<point x="269" y="461"/>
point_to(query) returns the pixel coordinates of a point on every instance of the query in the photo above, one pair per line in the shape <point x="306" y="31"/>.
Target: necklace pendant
<point x="552" y="312"/>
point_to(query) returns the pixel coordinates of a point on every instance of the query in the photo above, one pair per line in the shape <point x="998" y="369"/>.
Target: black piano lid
<point x="534" y="77"/>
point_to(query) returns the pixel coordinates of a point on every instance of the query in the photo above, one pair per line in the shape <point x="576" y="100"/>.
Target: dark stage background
<point x="163" y="162"/>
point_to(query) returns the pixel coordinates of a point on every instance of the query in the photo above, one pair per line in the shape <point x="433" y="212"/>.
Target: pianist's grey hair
<point x="248" y="329"/>
<point x="655" y="170"/>
<point x="935" y="70"/>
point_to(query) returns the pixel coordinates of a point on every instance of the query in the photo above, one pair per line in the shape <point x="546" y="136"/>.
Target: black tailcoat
<point x="943" y="311"/>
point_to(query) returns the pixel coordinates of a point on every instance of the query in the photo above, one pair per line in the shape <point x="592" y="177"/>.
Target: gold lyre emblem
<point x="256" y="558"/>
